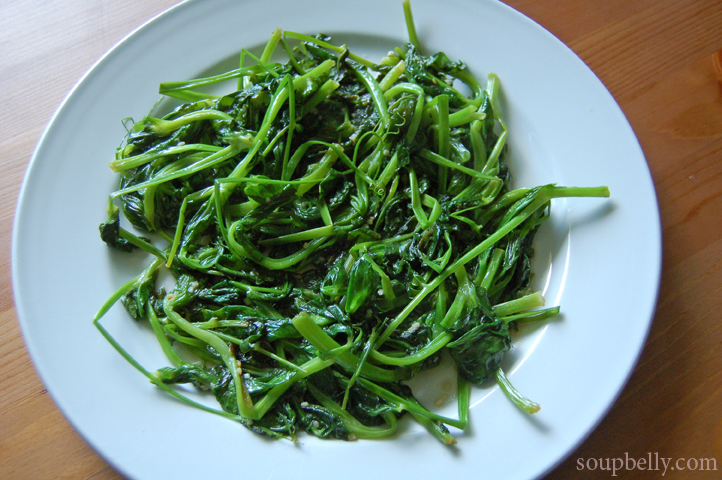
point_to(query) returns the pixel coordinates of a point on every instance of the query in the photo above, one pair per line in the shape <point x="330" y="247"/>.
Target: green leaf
<point x="362" y="282"/>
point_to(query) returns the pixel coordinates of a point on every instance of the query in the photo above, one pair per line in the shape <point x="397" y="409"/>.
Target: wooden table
<point x="662" y="61"/>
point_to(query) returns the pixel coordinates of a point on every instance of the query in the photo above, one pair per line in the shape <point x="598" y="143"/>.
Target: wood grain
<point x="661" y="60"/>
<point x="47" y="47"/>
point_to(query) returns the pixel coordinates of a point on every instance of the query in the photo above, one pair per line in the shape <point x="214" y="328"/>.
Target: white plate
<point x="599" y="259"/>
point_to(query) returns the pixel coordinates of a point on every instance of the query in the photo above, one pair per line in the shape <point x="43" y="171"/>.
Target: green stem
<point x="351" y="424"/>
<point x="347" y="360"/>
<point x="410" y="27"/>
<point x="527" y="302"/>
<point x="245" y="407"/>
<point x="513" y="394"/>
<point x="420" y="355"/>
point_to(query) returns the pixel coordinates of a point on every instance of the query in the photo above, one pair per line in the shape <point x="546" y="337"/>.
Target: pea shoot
<point x="333" y="225"/>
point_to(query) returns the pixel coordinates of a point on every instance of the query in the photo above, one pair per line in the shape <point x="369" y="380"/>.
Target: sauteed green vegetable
<point x="333" y="225"/>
